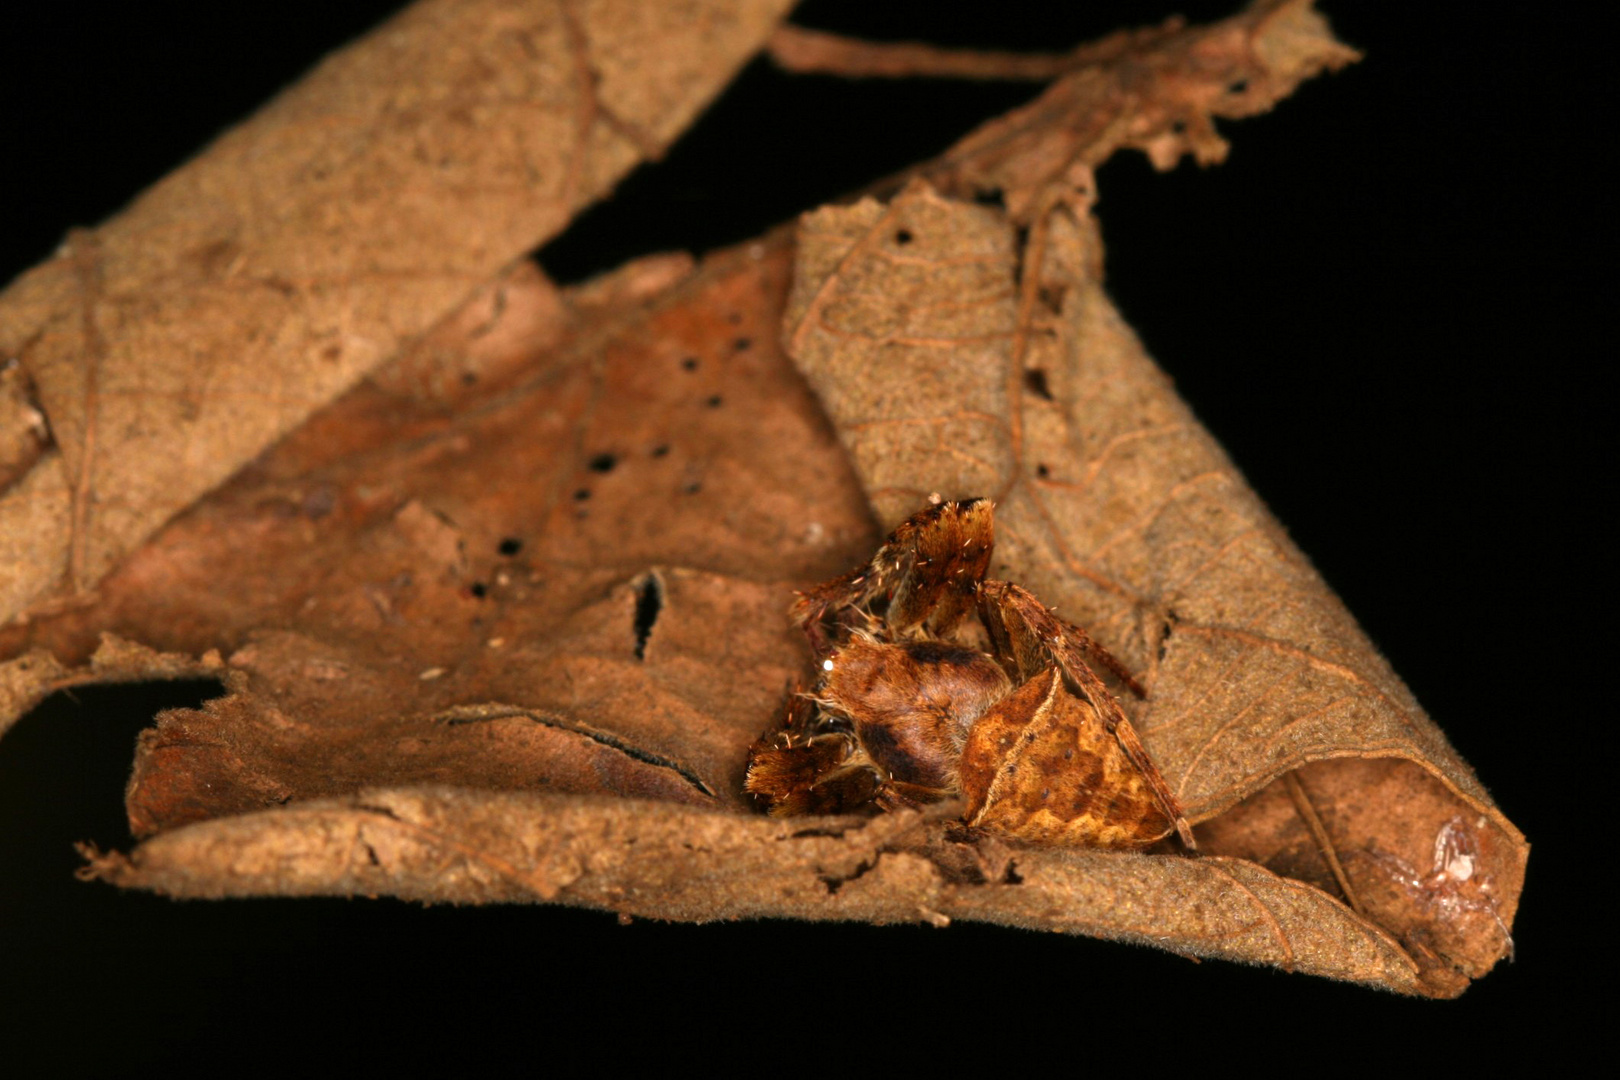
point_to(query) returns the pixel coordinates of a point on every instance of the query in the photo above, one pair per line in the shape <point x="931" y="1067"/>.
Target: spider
<point x="910" y="708"/>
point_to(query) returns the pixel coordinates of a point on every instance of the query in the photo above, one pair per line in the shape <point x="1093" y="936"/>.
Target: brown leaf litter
<point x="498" y="619"/>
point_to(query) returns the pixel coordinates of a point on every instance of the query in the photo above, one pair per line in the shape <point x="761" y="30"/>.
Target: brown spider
<point x="907" y="709"/>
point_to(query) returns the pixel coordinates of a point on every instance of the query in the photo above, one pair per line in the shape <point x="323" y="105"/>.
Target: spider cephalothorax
<point x="914" y="702"/>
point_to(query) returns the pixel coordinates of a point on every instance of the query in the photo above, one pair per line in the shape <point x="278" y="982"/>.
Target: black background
<point x="1382" y="305"/>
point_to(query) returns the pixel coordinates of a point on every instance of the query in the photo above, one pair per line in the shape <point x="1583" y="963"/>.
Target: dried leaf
<point x="956" y="360"/>
<point x="259" y="281"/>
<point x="671" y="862"/>
<point x="509" y="637"/>
<point x="407" y="621"/>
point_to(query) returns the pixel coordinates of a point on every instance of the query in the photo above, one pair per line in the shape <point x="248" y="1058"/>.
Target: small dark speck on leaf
<point x="510" y="546"/>
<point x="742" y="344"/>
<point x="660" y="450"/>
<point x="582" y="494"/>
<point x="689" y="364"/>
<point x="713" y="402"/>
<point x="602" y="462"/>
<point x="319" y="503"/>
<point x="468" y="378"/>
<point x="1035" y="382"/>
<point x="478" y="589"/>
<point x="691" y="489"/>
<point x="1042" y="471"/>
<point x="902" y="236"/>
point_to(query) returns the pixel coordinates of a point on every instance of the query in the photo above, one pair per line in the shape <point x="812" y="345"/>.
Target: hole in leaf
<point x="1169" y="626"/>
<point x="478" y="589"/>
<point x="903" y="236"/>
<point x="1035" y="382"/>
<point x="1042" y="471"/>
<point x="510" y="546"/>
<point x="1020" y="242"/>
<point x="602" y="463"/>
<point x="649" y="602"/>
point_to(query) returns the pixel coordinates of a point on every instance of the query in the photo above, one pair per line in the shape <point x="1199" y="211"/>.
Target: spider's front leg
<point x="807" y="766"/>
<point x="922" y="580"/>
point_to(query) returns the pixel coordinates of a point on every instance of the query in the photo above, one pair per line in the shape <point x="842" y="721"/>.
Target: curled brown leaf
<point x="500" y="623"/>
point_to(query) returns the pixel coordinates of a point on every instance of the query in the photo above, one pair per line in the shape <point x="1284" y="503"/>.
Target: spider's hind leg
<point x="1028" y="638"/>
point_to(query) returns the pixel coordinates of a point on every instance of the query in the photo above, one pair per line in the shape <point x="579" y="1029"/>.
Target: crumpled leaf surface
<point x="259" y="281"/>
<point x="383" y="623"/>
<point x="508" y="637"/>
<point x="949" y="371"/>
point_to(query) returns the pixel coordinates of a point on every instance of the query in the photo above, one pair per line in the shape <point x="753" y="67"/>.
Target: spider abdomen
<point x="912" y="704"/>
